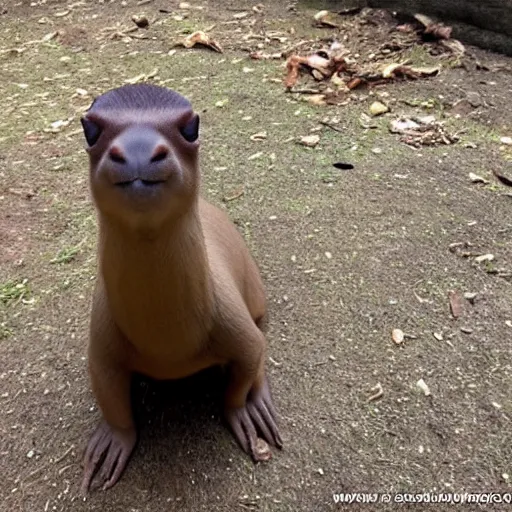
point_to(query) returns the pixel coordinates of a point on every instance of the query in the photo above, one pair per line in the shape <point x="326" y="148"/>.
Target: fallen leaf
<point x="455" y="303"/>
<point x="475" y="178"/>
<point x="436" y="30"/>
<point x="398" y="336"/>
<point x="455" y="46"/>
<point x="397" y="69"/>
<point x="322" y="19"/>
<point x="234" y="196"/>
<point x="377" y="108"/>
<point x="355" y="82"/>
<point x="310" y="141"/>
<point x="259" y="136"/>
<point x="421" y="384"/>
<point x="484" y="257"/>
<point x="186" y="5"/>
<point x="259" y="55"/>
<point x="321" y="64"/>
<point x="201" y="38"/>
<point x="470" y="297"/>
<point x="439" y="31"/>
<point x="316" y="99"/>
<point x="378" y="392"/>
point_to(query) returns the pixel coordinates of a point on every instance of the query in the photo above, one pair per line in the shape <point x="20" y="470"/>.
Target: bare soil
<point x="347" y="256"/>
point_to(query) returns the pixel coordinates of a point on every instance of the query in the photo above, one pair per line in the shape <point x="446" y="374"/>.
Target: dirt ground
<point x="347" y="256"/>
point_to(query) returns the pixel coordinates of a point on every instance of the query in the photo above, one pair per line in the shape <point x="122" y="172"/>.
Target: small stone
<point x="505" y="477"/>
<point x="438" y="336"/>
<point x="466" y="330"/>
<point x="398" y="336"/>
<point x="474" y="99"/>
<point x="377" y="108"/>
<point x="320" y="471"/>
<point x="262" y="450"/>
<point x="421" y="384"/>
<point x="30" y="454"/>
<point x="506" y="140"/>
<point x="310" y="141"/>
<point x="328" y="255"/>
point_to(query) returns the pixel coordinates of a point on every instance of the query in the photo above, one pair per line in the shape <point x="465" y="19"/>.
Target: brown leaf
<point x="355" y="82"/>
<point x="455" y="303"/>
<point x="202" y="39"/>
<point x="322" y="19"/>
<point x="438" y="30"/>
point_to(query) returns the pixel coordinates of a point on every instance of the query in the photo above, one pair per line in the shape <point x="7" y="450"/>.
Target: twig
<point x="332" y="127"/>
<point x="227" y="199"/>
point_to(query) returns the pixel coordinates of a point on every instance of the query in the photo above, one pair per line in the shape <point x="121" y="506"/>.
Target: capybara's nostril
<point x="159" y="154"/>
<point x="116" y="156"/>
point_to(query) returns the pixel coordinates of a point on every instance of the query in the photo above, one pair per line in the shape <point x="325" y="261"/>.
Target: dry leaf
<point x="355" y="82"/>
<point x="186" y="5"/>
<point x="310" y="141"/>
<point x="455" y="303"/>
<point x="322" y="19"/>
<point x="202" y="39"/>
<point x="316" y="99"/>
<point x="259" y="55"/>
<point x="455" y="46"/>
<point x="398" y="336"/>
<point x="378" y="392"/>
<point x="438" y="30"/>
<point x="477" y="179"/>
<point x="259" y="136"/>
<point x="484" y="257"/>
